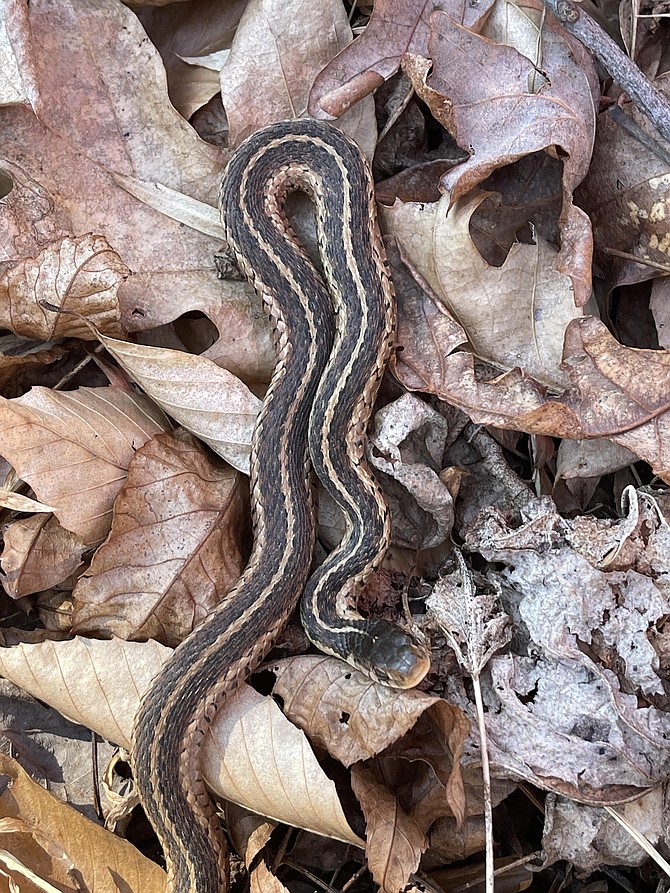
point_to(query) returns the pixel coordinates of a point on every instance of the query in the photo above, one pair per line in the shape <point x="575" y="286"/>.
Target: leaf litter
<point x="524" y="420"/>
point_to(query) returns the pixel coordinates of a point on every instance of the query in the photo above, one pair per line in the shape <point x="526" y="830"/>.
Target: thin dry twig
<point x="622" y="69"/>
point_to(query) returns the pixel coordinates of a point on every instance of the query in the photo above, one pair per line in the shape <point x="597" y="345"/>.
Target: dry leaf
<point x="115" y="118"/>
<point x="252" y="754"/>
<point x="38" y="553"/>
<point x="485" y="300"/>
<point x="174" y="549"/>
<point x="279" y="48"/>
<point x="421" y="432"/>
<point x="73" y="448"/>
<point x="375" y="56"/>
<point x="207" y="400"/>
<point x="81" y="276"/>
<point x="394" y="840"/>
<point x="57" y="843"/>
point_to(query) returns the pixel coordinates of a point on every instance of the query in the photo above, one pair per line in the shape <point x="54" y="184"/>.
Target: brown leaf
<point x="73" y="448"/>
<point x="626" y="195"/>
<point x="174" y="549"/>
<point x="115" y="118"/>
<point x="347" y="714"/>
<point x="394" y="840"/>
<point x="55" y="842"/>
<point x="375" y="56"/>
<point x="209" y="401"/>
<point x="80" y="276"/>
<point x="38" y="554"/>
<point x="502" y="327"/>
<point x="279" y="48"/>
<point x="252" y="754"/>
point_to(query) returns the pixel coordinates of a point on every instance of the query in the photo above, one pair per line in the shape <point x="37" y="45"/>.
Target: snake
<point x="333" y="331"/>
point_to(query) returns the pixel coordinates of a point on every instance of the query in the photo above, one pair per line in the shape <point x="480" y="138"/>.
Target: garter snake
<point x="332" y="341"/>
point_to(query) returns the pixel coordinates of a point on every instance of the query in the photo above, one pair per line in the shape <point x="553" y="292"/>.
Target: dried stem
<point x="622" y="69"/>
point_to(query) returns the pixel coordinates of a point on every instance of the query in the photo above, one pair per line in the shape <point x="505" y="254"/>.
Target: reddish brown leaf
<point x="174" y="549"/>
<point x="73" y="448"/>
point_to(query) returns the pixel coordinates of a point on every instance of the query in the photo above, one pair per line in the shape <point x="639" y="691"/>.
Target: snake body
<point x="318" y="403"/>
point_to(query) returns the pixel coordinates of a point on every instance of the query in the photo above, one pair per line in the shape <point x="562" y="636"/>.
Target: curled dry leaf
<point x="394" y="840"/>
<point x="38" y="553"/>
<point x="80" y="276"/>
<point x="174" y="549"/>
<point x="502" y="329"/>
<point x="207" y="400"/>
<point x="375" y="56"/>
<point x="421" y="432"/>
<point x="73" y="448"/>
<point x="255" y="757"/>
<point x="53" y="840"/>
<point x="252" y="754"/>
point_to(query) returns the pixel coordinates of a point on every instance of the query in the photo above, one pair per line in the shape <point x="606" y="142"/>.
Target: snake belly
<point x="176" y="711"/>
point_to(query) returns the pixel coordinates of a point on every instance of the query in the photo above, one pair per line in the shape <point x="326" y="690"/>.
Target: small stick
<point x="622" y="69"/>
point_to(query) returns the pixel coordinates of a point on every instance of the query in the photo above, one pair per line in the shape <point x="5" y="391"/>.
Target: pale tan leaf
<point x="95" y="683"/>
<point x="81" y="276"/>
<point x="182" y="208"/>
<point x="319" y="691"/>
<point x="252" y="754"/>
<point x="17" y="502"/>
<point x="206" y="399"/>
<point x="39" y="553"/>
<point x="255" y="757"/>
<point x="503" y="329"/>
<point x="279" y="48"/>
<point x="54" y="841"/>
<point x="263" y="880"/>
<point x="73" y="448"/>
<point x="394" y="840"/>
<point x="174" y="549"/>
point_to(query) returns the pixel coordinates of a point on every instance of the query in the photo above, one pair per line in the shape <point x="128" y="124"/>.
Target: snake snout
<point x="394" y="656"/>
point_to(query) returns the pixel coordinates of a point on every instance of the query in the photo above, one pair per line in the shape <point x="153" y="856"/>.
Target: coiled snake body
<point x="332" y="341"/>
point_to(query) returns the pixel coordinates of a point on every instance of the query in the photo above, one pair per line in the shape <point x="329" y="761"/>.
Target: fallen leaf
<point x="394" y="841"/>
<point x="174" y="549"/>
<point x="502" y="328"/>
<point x="38" y="553"/>
<point x="55" y="842"/>
<point x="81" y="276"/>
<point x="375" y="56"/>
<point x="209" y="401"/>
<point x="73" y="448"/>
<point x="422" y="433"/>
<point x="279" y="48"/>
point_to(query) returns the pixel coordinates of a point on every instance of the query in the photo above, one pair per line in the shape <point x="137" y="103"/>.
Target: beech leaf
<point x="73" y="448"/>
<point x="174" y="548"/>
<point x="207" y="400"/>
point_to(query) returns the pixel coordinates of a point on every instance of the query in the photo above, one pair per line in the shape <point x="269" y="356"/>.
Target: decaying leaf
<point x="56" y="843"/>
<point x="73" y="448"/>
<point x="174" y="550"/>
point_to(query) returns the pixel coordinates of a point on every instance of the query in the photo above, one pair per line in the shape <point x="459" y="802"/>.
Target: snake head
<point x="392" y="655"/>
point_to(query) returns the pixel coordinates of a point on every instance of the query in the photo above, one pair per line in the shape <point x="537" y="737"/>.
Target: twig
<point x="622" y="69"/>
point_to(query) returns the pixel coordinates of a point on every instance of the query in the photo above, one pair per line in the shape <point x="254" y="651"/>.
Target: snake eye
<point x="393" y="656"/>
